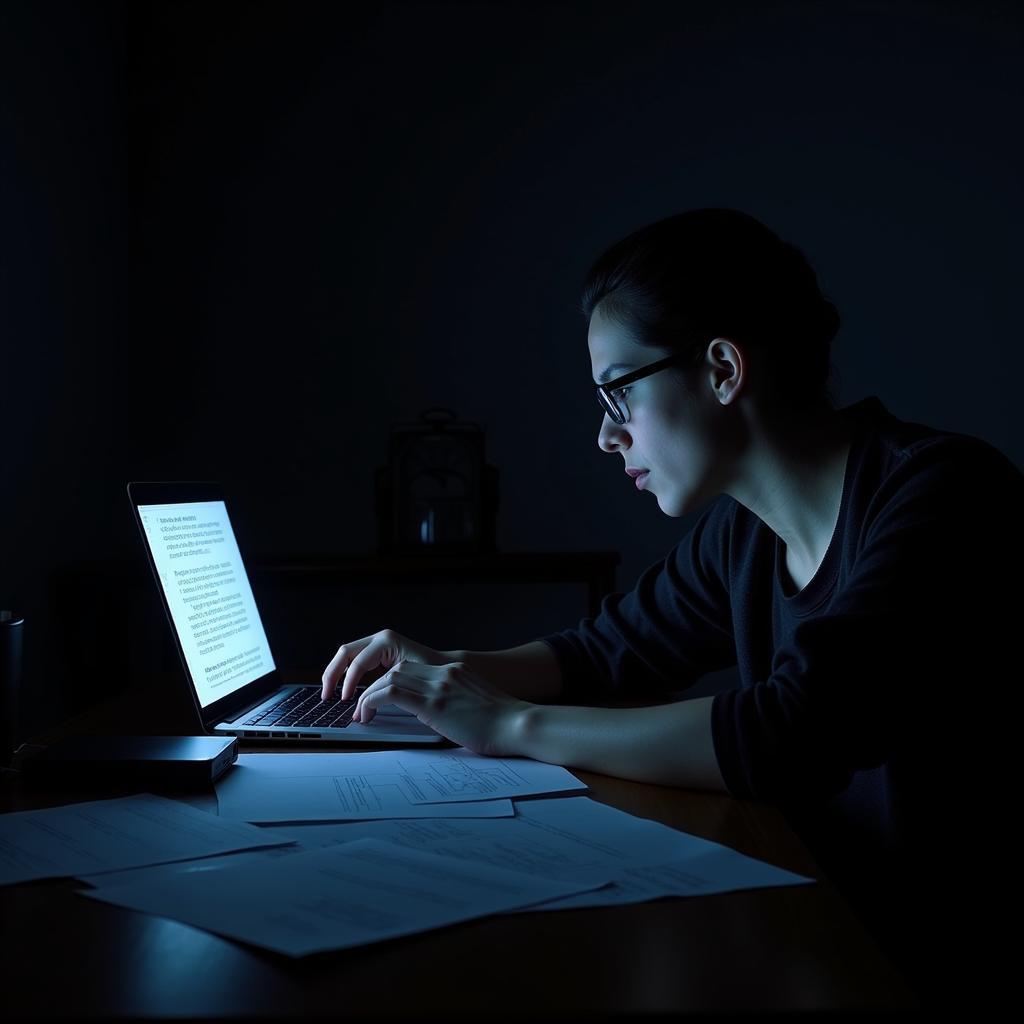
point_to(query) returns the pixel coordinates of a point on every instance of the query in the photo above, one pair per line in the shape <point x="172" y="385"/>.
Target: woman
<point x="839" y="561"/>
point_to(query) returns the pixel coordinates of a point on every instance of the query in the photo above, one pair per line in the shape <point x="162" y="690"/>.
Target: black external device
<point x="167" y="763"/>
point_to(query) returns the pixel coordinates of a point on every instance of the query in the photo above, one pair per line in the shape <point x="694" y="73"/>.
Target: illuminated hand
<point x="373" y="654"/>
<point x="452" y="701"/>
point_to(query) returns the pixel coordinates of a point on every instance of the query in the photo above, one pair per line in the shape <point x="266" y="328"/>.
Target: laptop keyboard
<point x="300" y="710"/>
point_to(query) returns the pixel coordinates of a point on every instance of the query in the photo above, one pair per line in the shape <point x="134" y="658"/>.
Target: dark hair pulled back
<point x="702" y="274"/>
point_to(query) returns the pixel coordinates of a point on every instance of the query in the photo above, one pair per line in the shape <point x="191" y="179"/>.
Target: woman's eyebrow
<point x="615" y="370"/>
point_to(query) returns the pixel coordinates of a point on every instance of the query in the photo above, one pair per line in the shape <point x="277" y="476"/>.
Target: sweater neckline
<point x="822" y="583"/>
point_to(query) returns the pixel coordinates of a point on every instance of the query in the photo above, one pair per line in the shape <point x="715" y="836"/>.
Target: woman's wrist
<point x="520" y="729"/>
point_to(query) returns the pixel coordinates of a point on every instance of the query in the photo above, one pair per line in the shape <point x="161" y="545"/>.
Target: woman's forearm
<point x="530" y="672"/>
<point x="669" y="744"/>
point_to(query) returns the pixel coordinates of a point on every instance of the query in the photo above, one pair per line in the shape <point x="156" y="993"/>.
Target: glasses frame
<point x="610" y="404"/>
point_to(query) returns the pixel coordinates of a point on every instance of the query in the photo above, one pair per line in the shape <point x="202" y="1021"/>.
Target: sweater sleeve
<point x="659" y="638"/>
<point x="892" y="662"/>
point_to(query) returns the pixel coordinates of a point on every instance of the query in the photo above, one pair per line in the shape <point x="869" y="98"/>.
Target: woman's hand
<point x="381" y="651"/>
<point x="451" y="700"/>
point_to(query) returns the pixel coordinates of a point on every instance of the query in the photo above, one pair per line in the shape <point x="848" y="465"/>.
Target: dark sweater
<point x="859" y="710"/>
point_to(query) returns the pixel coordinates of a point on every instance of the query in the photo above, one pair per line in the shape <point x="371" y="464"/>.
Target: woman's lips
<point x="641" y="479"/>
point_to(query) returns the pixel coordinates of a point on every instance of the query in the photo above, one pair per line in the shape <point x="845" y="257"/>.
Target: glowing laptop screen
<point x="208" y="593"/>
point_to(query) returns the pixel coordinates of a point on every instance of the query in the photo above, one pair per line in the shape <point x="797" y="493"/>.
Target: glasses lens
<point x="610" y="406"/>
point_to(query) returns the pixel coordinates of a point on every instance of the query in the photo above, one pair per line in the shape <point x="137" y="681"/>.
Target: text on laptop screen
<point x="208" y="593"/>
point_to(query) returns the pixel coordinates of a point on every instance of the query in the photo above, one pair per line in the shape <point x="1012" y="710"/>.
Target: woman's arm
<point x="669" y="744"/>
<point x="530" y="672"/>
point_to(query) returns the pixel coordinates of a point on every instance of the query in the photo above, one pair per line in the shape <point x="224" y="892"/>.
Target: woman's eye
<point x="621" y="392"/>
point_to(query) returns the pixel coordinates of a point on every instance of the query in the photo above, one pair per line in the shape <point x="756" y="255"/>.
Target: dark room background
<point x="240" y="240"/>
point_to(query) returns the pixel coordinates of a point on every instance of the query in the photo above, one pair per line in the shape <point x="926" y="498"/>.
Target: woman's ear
<point x="727" y="369"/>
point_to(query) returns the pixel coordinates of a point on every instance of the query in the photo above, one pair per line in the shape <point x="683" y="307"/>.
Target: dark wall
<point x="62" y="250"/>
<point x="241" y="239"/>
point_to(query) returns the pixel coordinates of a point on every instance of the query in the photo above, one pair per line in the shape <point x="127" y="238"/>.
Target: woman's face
<point x="678" y="430"/>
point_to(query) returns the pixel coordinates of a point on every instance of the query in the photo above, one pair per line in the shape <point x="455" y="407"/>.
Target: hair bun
<point x="678" y="281"/>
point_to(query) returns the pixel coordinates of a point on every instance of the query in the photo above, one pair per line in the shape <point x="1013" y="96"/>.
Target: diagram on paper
<point x="447" y="777"/>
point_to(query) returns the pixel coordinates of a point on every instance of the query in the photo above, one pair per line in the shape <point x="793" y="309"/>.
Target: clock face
<point x="436" y="468"/>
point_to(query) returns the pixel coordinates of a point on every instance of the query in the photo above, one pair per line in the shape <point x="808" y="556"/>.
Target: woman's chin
<point x="679" y="505"/>
<point x="670" y="508"/>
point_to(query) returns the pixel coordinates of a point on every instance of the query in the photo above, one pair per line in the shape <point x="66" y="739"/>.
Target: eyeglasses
<point x="614" y="405"/>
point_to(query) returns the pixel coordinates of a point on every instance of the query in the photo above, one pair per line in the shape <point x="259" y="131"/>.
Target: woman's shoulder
<point x="896" y="459"/>
<point x="888" y="444"/>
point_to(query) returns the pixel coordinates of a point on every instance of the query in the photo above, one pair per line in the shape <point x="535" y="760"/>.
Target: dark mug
<point x="11" y="630"/>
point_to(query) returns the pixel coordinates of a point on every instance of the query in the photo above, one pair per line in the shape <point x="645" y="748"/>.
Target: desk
<point x="789" y="948"/>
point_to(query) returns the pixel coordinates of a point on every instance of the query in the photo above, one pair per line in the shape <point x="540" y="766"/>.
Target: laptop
<point x="236" y="688"/>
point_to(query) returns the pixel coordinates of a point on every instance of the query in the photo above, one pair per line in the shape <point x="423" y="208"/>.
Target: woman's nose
<point x="612" y="436"/>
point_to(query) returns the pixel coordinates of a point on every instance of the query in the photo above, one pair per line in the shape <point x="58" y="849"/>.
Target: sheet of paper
<point x="424" y="776"/>
<point x="346" y="895"/>
<point x="108" y="835"/>
<point x="576" y="837"/>
<point x="382" y="784"/>
<point x="563" y="838"/>
<point x="254" y="796"/>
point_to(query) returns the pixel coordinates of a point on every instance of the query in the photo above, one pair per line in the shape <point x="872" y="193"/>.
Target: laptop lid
<point x="192" y="551"/>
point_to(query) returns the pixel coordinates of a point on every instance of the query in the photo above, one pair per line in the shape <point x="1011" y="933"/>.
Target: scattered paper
<point x="379" y="785"/>
<point x="108" y="835"/>
<point x="347" y="895"/>
<point x="577" y="837"/>
<point x="260" y="798"/>
<point x="569" y="838"/>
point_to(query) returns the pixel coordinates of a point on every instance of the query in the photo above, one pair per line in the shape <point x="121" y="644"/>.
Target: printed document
<point x="571" y="838"/>
<point x="382" y="784"/>
<point x="107" y="835"/>
<point x="346" y="895"/>
<point x="577" y="837"/>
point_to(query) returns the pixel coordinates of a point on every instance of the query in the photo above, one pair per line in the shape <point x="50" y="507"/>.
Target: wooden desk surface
<point x="788" y="948"/>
